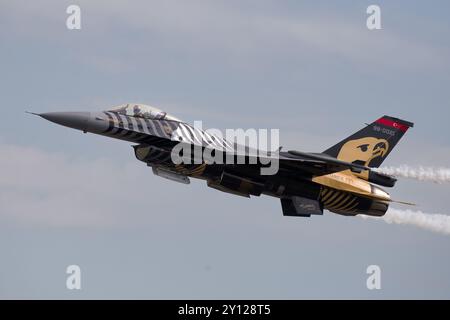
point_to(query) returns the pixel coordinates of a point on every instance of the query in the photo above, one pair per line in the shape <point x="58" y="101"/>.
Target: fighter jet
<point x="342" y="179"/>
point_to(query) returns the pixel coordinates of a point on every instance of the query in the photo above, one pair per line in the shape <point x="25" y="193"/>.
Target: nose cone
<point x="76" y="120"/>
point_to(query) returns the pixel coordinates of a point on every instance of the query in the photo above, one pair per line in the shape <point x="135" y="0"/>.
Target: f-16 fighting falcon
<point x="341" y="179"/>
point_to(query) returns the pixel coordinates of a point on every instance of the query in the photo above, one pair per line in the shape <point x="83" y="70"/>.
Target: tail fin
<point x="372" y="144"/>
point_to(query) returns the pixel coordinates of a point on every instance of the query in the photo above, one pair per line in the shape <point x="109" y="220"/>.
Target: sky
<point x="311" y="69"/>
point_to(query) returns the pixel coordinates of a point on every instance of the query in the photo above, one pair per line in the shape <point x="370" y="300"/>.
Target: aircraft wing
<point x="313" y="163"/>
<point x="317" y="163"/>
<point x="171" y="133"/>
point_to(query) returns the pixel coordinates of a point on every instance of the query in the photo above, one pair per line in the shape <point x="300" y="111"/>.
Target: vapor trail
<point x="438" y="175"/>
<point x="429" y="221"/>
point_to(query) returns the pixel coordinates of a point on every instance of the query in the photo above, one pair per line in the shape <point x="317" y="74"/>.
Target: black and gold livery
<point x="340" y="179"/>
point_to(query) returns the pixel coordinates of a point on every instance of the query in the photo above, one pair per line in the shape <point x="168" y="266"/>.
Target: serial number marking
<point x="384" y="130"/>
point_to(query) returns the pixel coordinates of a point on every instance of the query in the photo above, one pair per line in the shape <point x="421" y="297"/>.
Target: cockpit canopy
<point x="143" y="111"/>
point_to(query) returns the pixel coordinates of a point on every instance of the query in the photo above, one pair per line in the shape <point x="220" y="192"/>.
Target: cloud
<point x="47" y="189"/>
<point x="53" y="189"/>
<point x="221" y="29"/>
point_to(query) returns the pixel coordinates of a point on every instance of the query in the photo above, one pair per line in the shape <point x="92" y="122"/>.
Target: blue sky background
<point x="309" y="68"/>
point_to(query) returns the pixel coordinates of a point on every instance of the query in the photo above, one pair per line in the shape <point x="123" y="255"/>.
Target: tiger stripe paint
<point x="337" y="200"/>
<point x="196" y="134"/>
<point x="344" y="202"/>
<point x="110" y="122"/>
<point x="185" y="134"/>
<point x="199" y="171"/>
<point x="334" y="195"/>
<point x="158" y="128"/>
<point x="328" y="195"/>
<point x="351" y="204"/>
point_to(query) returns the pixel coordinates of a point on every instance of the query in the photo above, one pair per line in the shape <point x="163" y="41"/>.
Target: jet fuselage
<point x="302" y="190"/>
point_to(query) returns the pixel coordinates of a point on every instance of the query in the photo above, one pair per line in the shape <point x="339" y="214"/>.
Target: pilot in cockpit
<point x="143" y="111"/>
